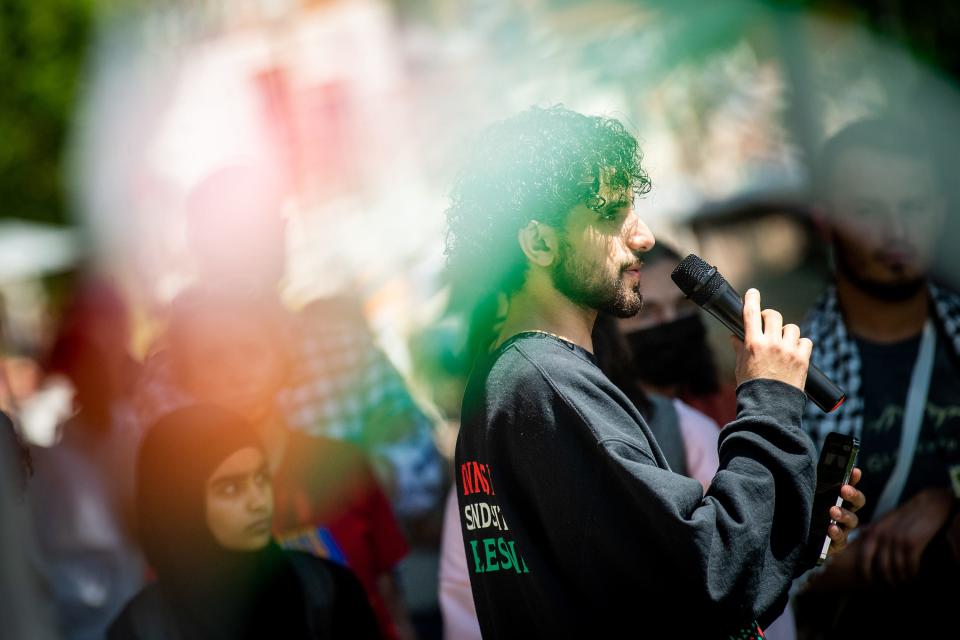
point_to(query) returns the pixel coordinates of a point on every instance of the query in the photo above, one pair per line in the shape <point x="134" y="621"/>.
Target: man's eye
<point x="262" y="479"/>
<point x="613" y="213"/>
<point x="229" y="489"/>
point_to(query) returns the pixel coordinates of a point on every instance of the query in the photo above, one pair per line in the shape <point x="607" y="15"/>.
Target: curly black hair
<point x="537" y="165"/>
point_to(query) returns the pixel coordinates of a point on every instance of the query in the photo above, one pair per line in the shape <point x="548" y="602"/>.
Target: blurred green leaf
<point x="42" y="49"/>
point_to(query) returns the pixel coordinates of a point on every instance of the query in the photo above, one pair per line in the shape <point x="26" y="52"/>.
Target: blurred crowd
<point x="209" y="456"/>
<point x="251" y="427"/>
<point x="356" y="474"/>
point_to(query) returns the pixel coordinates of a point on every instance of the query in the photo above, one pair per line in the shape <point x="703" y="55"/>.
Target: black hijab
<point x="213" y="592"/>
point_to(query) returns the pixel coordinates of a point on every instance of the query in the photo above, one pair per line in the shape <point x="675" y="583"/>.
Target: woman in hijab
<point x="205" y="507"/>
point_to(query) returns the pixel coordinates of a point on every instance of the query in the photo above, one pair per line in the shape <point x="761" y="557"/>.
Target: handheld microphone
<point x="705" y="286"/>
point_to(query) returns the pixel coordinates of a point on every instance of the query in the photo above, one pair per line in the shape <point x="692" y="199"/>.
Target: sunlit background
<point x="359" y="110"/>
<point x="349" y="120"/>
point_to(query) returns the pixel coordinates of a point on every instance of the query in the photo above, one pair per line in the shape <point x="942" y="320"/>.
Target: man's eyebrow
<point x="614" y="205"/>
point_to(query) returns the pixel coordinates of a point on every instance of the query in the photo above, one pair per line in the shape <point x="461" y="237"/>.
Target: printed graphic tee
<point x="886" y="374"/>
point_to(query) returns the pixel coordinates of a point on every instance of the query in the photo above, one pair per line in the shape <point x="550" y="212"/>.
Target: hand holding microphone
<point x="769" y="350"/>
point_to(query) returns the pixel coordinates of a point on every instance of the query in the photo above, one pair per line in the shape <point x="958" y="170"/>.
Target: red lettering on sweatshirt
<point x="466" y="479"/>
<point x="475" y="478"/>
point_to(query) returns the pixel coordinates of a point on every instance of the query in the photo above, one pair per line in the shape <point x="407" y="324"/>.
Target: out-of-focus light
<point x="31" y="250"/>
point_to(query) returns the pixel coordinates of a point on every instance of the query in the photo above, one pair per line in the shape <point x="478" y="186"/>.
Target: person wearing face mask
<point x="687" y="437"/>
<point x="669" y="331"/>
<point x="205" y="511"/>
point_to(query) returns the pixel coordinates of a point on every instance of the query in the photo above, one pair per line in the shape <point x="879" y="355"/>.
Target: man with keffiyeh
<point x="889" y="336"/>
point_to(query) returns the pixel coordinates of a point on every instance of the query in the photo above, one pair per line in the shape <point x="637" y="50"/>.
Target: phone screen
<point x="837" y="458"/>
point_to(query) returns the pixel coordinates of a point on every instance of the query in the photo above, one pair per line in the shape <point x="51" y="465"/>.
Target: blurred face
<point x="250" y="256"/>
<point x="240" y="501"/>
<point x="885" y="212"/>
<point x="235" y="229"/>
<point x="663" y="301"/>
<point x="230" y="363"/>
<point x="599" y="263"/>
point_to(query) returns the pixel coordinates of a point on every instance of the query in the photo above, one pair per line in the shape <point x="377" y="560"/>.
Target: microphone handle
<point x="726" y="305"/>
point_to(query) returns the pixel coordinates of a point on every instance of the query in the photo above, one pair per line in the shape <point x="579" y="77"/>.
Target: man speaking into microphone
<point x="573" y="523"/>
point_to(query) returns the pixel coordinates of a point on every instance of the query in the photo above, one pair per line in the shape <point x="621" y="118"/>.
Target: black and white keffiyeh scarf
<point x="836" y="354"/>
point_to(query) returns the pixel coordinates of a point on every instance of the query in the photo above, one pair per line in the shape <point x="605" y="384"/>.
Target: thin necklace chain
<point x="559" y="337"/>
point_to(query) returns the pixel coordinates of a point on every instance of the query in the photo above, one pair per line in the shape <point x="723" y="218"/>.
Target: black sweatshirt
<point x="574" y="525"/>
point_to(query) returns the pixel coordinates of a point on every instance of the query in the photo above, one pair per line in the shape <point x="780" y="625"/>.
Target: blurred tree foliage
<point x="42" y="50"/>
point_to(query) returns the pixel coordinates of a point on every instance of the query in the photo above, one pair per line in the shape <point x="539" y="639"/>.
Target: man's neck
<point x="545" y="309"/>
<point x="879" y="320"/>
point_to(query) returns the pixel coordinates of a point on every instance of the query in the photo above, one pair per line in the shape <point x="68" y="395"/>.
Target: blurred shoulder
<point x="323" y="575"/>
<point x="144" y="617"/>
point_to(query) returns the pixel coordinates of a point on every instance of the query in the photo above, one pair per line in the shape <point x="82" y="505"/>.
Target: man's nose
<point x="639" y="236"/>
<point x="896" y="225"/>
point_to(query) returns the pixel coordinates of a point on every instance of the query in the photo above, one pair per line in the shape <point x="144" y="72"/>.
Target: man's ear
<point x="540" y="243"/>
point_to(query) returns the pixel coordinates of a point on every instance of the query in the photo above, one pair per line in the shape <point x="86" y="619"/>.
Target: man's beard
<point x="884" y="291"/>
<point x="589" y="286"/>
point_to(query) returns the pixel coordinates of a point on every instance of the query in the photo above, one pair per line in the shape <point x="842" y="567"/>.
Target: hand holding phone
<point x="837" y="459"/>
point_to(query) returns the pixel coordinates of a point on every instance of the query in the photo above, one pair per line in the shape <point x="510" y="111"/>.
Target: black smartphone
<point x="837" y="458"/>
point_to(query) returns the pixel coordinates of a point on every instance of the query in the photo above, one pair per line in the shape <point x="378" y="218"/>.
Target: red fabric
<point x="325" y="489"/>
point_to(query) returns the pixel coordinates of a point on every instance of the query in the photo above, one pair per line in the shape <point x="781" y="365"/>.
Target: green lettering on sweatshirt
<point x="476" y="557"/>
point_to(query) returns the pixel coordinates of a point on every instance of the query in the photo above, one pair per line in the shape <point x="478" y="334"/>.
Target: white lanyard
<point x="912" y="421"/>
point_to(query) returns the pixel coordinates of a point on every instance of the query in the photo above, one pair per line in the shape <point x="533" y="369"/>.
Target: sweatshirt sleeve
<point x="736" y="549"/>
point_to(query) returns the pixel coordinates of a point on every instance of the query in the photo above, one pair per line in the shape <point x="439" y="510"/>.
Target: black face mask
<point x="674" y="353"/>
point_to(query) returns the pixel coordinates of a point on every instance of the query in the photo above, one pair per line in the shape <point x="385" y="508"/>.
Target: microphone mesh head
<point x="688" y="274"/>
<point x="697" y="279"/>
